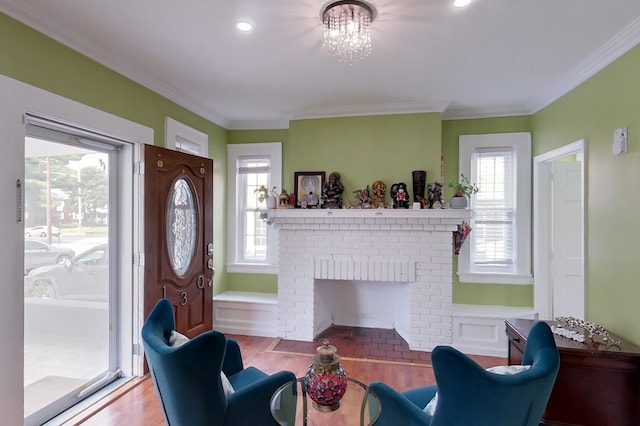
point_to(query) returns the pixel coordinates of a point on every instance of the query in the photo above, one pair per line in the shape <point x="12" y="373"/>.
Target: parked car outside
<point x="85" y="277"/>
<point x="41" y="231"/>
<point x="37" y="253"/>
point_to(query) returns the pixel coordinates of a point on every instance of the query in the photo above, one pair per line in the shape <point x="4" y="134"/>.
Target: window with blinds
<point x="498" y="249"/>
<point x="252" y="244"/>
<point x="493" y="219"/>
<point x="252" y="172"/>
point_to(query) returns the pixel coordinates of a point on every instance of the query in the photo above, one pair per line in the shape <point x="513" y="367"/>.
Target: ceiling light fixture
<point x="347" y="29"/>
<point x="243" y="26"/>
<point x="461" y="3"/>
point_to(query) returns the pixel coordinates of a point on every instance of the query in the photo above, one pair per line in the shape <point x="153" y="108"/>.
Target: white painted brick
<point x="400" y="250"/>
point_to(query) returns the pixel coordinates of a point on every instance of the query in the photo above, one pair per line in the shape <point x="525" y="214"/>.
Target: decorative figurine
<point x="399" y="195"/>
<point x="364" y="197"/>
<point x="379" y="194"/>
<point x="332" y="192"/>
<point x="283" y="200"/>
<point x="434" y="195"/>
<point x="326" y="380"/>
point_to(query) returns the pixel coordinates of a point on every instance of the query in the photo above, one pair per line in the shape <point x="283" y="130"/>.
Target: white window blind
<point x="493" y="221"/>
<point x="252" y="173"/>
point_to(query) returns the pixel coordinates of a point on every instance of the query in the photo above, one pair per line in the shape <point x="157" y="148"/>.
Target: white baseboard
<point x="246" y="313"/>
<point x="480" y="329"/>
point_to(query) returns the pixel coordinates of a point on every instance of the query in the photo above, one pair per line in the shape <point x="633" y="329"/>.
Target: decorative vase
<point x="458" y="202"/>
<point x="419" y="179"/>
<point x="272" y="201"/>
<point x="326" y="380"/>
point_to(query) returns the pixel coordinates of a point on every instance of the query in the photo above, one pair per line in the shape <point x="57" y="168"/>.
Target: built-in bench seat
<point x="246" y="313"/>
<point x="480" y="329"/>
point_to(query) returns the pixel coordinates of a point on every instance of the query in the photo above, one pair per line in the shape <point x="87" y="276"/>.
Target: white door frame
<point x="542" y="164"/>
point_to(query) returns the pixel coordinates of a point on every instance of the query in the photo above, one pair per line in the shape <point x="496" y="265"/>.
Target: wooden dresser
<point x="596" y="385"/>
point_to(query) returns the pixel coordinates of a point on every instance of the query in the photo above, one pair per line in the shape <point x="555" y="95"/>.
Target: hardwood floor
<point x="139" y="406"/>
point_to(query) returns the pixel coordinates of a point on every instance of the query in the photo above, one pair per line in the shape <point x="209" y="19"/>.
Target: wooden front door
<point x="178" y="241"/>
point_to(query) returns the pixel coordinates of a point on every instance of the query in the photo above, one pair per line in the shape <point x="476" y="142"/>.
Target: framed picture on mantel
<point x="308" y="189"/>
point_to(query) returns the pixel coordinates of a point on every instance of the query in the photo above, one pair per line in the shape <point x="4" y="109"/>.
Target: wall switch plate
<point x="620" y="141"/>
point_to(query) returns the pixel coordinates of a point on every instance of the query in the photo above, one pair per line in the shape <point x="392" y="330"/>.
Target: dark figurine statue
<point x="434" y="195"/>
<point x="400" y="196"/>
<point x="332" y="192"/>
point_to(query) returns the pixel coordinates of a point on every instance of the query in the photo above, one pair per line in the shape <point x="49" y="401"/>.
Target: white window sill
<point x="509" y="279"/>
<point x="252" y="268"/>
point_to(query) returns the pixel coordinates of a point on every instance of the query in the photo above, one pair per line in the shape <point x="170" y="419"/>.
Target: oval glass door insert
<point x="181" y="226"/>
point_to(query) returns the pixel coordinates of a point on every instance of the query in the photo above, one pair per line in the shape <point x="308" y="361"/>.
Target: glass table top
<point x="290" y="405"/>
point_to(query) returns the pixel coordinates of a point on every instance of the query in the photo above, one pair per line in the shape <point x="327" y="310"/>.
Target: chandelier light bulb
<point x="347" y="29"/>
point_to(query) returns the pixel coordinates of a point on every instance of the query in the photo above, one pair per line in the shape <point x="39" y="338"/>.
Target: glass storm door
<point x="69" y="303"/>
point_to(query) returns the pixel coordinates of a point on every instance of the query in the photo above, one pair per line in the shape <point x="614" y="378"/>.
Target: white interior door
<point x="558" y="237"/>
<point x="567" y="266"/>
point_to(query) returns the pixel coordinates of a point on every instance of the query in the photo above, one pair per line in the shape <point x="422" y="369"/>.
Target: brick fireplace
<point x="387" y="268"/>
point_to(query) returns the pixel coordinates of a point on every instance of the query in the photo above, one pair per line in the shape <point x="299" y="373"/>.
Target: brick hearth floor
<point x="357" y="342"/>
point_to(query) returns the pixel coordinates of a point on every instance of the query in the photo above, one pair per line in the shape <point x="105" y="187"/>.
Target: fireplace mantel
<point x="457" y="215"/>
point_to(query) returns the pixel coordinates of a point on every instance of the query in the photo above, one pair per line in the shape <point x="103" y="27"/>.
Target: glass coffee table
<point x="291" y="406"/>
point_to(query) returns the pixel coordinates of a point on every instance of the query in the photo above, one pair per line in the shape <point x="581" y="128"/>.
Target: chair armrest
<point x="396" y="409"/>
<point x="251" y="404"/>
<point x="232" y="362"/>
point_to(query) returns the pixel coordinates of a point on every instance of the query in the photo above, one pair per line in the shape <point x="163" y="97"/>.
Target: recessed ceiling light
<point x="461" y="3"/>
<point x="243" y="26"/>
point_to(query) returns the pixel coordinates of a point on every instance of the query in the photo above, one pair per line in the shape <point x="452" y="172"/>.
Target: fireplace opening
<point x="365" y="304"/>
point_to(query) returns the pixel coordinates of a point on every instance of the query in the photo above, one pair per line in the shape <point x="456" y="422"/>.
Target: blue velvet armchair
<point x="468" y="395"/>
<point x="187" y="378"/>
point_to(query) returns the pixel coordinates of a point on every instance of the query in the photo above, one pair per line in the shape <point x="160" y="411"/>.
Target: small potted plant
<point x="269" y="197"/>
<point x="462" y="190"/>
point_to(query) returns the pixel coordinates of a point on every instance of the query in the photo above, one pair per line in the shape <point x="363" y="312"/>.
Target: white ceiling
<point x="492" y="58"/>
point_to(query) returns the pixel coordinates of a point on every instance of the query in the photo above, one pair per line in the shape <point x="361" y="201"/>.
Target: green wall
<point x="33" y="58"/>
<point x="366" y="149"/>
<point x="592" y="111"/>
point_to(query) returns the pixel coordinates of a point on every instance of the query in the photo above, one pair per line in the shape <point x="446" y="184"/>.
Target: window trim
<point x="174" y="130"/>
<point x="234" y="151"/>
<point x="521" y="143"/>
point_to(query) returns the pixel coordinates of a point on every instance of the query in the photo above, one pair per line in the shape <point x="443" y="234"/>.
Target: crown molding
<point x="73" y="40"/>
<point x="258" y="124"/>
<point x="472" y="113"/>
<point x="614" y="48"/>
<point x="365" y="109"/>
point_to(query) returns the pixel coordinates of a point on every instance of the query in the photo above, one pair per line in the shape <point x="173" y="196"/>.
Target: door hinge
<point x="136" y="349"/>
<point x="138" y="168"/>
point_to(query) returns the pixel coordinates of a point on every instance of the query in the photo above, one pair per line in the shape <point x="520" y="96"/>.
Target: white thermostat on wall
<point x="620" y="141"/>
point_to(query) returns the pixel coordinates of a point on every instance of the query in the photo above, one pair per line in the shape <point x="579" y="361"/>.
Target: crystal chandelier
<point x="347" y="29"/>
